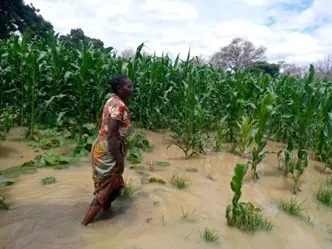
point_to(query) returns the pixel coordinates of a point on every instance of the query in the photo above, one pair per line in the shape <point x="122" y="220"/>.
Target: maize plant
<point x="323" y="146"/>
<point x="258" y="153"/>
<point x="221" y="132"/>
<point x="54" y="84"/>
<point x="289" y="161"/>
<point x="244" y="215"/>
<point x="246" y="135"/>
<point x="189" y="129"/>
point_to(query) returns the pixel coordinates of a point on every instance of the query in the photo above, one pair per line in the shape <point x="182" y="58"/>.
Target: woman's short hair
<point x="116" y="82"/>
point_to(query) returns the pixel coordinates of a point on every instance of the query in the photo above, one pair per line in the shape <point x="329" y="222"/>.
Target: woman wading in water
<point x="109" y="149"/>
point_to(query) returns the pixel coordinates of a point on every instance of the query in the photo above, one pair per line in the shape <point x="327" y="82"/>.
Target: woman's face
<point x="126" y="89"/>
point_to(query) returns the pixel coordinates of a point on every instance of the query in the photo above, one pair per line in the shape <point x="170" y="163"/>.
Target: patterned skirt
<point x="103" y="164"/>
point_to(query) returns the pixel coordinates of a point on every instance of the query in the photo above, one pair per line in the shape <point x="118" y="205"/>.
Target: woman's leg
<point x="116" y="189"/>
<point x="104" y="198"/>
<point x="94" y="209"/>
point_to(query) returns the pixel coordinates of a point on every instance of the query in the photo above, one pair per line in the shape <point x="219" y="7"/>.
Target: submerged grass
<point x="192" y="169"/>
<point x="191" y="216"/>
<point x="180" y="182"/>
<point x="161" y="164"/>
<point x="17" y="171"/>
<point x="48" y="180"/>
<point x="210" y="236"/>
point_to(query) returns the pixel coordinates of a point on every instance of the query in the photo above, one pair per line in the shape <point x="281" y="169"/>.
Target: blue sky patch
<point x="297" y="7"/>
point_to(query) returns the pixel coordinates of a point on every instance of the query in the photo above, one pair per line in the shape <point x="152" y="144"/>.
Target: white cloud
<point x="174" y="26"/>
<point x="169" y="10"/>
<point x="267" y="2"/>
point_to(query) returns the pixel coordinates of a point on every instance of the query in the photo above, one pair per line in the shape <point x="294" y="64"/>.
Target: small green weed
<point x="180" y="182"/>
<point x="48" y="180"/>
<point x="129" y="189"/>
<point x="210" y="235"/>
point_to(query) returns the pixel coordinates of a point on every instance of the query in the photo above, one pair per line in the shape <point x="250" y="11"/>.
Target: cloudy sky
<point x="297" y="31"/>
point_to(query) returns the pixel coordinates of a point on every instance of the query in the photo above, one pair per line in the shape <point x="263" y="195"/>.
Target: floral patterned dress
<point x="103" y="160"/>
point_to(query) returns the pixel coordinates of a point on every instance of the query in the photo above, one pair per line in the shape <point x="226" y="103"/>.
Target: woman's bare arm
<point x="114" y="141"/>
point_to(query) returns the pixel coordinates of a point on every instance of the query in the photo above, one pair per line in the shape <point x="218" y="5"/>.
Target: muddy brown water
<point x="49" y="216"/>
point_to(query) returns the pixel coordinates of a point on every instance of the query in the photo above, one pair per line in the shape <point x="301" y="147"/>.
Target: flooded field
<point x="49" y="216"/>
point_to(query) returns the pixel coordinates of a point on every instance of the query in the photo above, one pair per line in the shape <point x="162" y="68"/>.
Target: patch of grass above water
<point x="157" y="180"/>
<point x="129" y="189"/>
<point x="180" y="182"/>
<point x="324" y="195"/>
<point x="292" y="207"/>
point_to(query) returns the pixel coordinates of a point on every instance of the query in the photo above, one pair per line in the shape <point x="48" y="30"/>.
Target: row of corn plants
<point x="54" y="84"/>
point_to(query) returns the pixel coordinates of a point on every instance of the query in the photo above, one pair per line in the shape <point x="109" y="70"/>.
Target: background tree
<point x="324" y="68"/>
<point x="77" y="35"/>
<point x="128" y="53"/>
<point x="263" y="66"/>
<point x="292" y="69"/>
<point x="17" y="16"/>
<point x="238" y="54"/>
